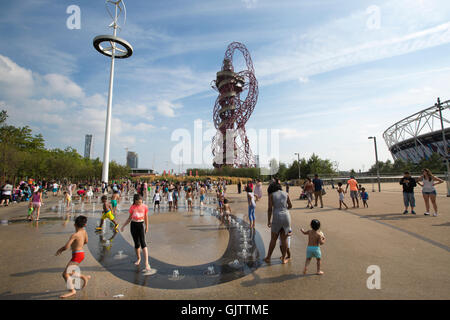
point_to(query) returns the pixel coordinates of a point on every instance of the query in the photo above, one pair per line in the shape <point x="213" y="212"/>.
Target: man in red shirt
<point x="353" y="190"/>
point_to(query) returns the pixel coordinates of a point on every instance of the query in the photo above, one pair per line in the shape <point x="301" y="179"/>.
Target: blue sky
<point x="327" y="79"/>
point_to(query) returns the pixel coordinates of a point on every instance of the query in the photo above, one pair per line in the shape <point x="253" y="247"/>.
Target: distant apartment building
<point x="132" y="159"/>
<point x="88" y="142"/>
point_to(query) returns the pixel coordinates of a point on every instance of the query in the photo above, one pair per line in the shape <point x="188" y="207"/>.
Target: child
<point x="189" y="199"/>
<point x="227" y="210"/>
<point x="114" y="201"/>
<point x="36" y="201"/>
<point x="288" y="250"/>
<point x="107" y="214"/>
<point x="139" y="227"/>
<point x="315" y="239"/>
<point x="67" y="199"/>
<point x="30" y="211"/>
<point x="364" y="197"/>
<point x="220" y="199"/>
<point x="341" y="193"/>
<point x="170" y="199"/>
<point x="76" y="242"/>
<point x="156" y="199"/>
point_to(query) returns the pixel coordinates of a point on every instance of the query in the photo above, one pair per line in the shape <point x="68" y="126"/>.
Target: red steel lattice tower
<point x="230" y="146"/>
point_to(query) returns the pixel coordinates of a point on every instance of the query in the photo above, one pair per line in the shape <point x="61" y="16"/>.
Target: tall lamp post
<point x="439" y="106"/>
<point x="298" y="157"/>
<point x="376" y="159"/>
<point x="115" y="48"/>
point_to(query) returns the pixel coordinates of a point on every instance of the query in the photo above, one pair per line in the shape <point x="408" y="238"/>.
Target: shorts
<point x="341" y="196"/>
<point x="77" y="256"/>
<point x="55" y="190"/>
<point x="36" y="204"/>
<point x="114" y="203"/>
<point x="431" y="192"/>
<point x="313" y="252"/>
<point x="220" y="204"/>
<point x="354" y="194"/>
<point x="108" y="215"/>
<point x="157" y="202"/>
<point x="202" y="197"/>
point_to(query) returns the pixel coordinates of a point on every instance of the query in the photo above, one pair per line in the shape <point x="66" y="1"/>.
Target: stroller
<point x="303" y="195"/>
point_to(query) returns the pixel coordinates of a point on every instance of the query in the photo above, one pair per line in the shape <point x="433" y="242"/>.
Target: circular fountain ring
<point x="192" y="276"/>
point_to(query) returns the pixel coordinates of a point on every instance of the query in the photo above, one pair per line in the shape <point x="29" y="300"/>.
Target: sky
<point x="330" y="73"/>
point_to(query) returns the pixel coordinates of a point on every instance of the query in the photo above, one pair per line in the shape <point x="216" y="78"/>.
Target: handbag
<point x="324" y="192"/>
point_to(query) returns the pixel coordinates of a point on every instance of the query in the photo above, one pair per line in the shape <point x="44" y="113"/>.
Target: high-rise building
<point x="88" y="142"/>
<point x="132" y="159"/>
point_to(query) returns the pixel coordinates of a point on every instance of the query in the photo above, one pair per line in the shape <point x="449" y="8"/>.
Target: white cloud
<point x="60" y="85"/>
<point x="167" y="108"/>
<point x="15" y="81"/>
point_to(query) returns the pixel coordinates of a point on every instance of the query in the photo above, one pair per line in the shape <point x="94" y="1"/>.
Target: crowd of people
<point x="279" y="204"/>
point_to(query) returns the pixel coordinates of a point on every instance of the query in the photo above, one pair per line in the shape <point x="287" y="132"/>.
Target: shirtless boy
<point x="76" y="242"/>
<point x="114" y="201"/>
<point x="315" y="239"/>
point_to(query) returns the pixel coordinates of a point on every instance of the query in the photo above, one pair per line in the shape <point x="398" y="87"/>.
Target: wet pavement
<point x="196" y="257"/>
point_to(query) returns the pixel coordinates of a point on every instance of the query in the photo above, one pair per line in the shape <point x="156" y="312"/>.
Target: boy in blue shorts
<point x="315" y="239"/>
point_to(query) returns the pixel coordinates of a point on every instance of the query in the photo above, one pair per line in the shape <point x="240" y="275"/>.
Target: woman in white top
<point x="428" y="190"/>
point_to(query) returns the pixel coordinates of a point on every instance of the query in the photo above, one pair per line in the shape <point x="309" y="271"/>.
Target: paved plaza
<point x="412" y="252"/>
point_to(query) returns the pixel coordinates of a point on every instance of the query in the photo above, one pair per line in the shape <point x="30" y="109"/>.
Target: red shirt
<point x="138" y="213"/>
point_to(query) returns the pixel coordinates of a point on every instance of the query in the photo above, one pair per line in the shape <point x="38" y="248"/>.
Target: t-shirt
<point x="353" y="184"/>
<point x="55" y="186"/>
<point x="157" y="197"/>
<point x="408" y="184"/>
<point x="317" y="184"/>
<point x="364" y="195"/>
<point x="138" y="213"/>
<point x="7" y="189"/>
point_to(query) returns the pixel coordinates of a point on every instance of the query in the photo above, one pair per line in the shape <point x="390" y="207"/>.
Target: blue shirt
<point x="364" y="195"/>
<point x="317" y="184"/>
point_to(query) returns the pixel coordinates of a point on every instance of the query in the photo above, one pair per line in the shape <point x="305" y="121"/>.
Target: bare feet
<point x="137" y="262"/>
<point x="267" y="260"/>
<point x="319" y="273"/>
<point x="69" y="294"/>
<point x="86" y="280"/>
<point x="284" y="261"/>
<point x="304" y="271"/>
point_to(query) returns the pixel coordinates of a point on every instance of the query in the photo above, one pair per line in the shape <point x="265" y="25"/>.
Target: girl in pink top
<point x="36" y="201"/>
<point x="139" y="227"/>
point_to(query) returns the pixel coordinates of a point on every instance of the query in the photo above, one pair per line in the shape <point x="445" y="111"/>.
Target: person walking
<point x="279" y="220"/>
<point x="427" y="181"/>
<point x="309" y="190"/>
<point x="318" y="187"/>
<point x="408" y="183"/>
<point x="353" y="190"/>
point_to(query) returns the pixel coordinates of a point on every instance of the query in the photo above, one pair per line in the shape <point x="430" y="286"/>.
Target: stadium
<point x="418" y="136"/>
